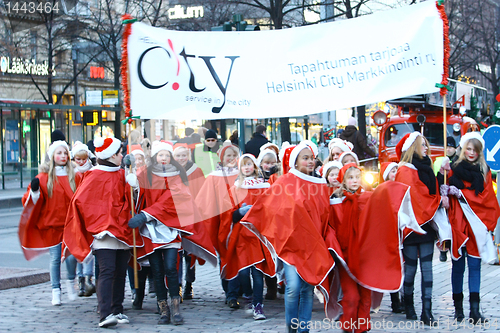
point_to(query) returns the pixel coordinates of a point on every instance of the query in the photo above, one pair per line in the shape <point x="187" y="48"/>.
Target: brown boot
<point x="164" y="312"/>
<point x="176" y="311"/>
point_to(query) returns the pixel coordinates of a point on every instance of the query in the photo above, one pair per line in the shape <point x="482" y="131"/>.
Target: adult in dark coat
<point x="258" y="140"/>
<point x="358" y="140"/>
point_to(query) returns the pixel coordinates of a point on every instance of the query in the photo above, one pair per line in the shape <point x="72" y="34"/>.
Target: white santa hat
<point x="265" y="152"/>
<point x="388" y="169"/>
<point x="161" y="145"/>
<point x="410" y="140"/>
<point x="342" y="144"/>
<point x="284" y="146"/>
<point x="106" y="147"/>
<point x="331" y="165"/>
<point x="313" y="146"/>
<point x="268" y="146"/>
<point x="344" y="154"/>
<point x="250" y="156"/>
<point x="54" y="145"/>
<point x="78" y="147"/>
<point x="471" y="135"/>
<point x="295" y="153"/>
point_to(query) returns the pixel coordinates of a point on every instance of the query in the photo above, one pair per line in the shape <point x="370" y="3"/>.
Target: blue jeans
<point x="298" y="300"/>
<point x="458" y="270"/>
<point x="231" y="288"/>
<point x="164" y="262"/>
<point x="55" y="267"/>
<point x="85" y="269"/>
<point x="258" y="283"/>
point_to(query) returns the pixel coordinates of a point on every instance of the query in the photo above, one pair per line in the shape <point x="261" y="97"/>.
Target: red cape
<point x="196" y="179"/>
<point x="102" y="203"/>
<point x="291" y="220"/>
<point x="42" y="224"/>
<point x="243" y="247"/>
<point x="485" y="207"/>
<point x="169" y="201"/>
<point x="214" y="203"/>
<point x="424" y="204"/>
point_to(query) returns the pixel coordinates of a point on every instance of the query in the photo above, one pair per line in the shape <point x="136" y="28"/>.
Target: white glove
<point x="132" y="180"/>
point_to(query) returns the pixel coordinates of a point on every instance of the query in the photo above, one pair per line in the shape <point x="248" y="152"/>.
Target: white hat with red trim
<point x="161" y="145"/>
<point x="54" y="145"/>
<point x="250" y="156"/>
<point x="106" y="147"/>
<point x="471" y="135"/>
<point x="295" y="153"/>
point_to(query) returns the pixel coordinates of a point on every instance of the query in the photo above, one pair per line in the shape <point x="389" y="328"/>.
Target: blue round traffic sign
<point x="492" y="147"/>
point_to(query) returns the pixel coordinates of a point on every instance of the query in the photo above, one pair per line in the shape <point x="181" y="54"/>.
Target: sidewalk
<point x="29" y="309"/>
<point x="11" y="198"/>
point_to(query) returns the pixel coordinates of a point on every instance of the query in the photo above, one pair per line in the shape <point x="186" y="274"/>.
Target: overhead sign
<point x="285" y="73"/>
<point x="492" y="147"/>
<point x="93" y="97"/>
<point x="110" y="97"/>
<point x="25" y="66"/>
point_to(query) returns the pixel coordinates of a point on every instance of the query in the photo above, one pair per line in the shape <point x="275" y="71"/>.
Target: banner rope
<point x="127" y="20"/>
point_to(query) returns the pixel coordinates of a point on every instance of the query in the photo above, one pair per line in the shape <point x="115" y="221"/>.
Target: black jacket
<point x="352" y="135"/>
<point x="253" y="146"/>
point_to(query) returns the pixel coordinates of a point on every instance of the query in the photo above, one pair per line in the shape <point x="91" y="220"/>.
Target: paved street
<point x="28" y="309"/>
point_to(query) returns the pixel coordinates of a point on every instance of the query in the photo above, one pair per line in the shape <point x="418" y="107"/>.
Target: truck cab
<point x="424" y="113"/>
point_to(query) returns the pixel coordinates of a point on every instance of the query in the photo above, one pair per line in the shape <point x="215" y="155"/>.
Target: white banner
<point x="285" y="73"/>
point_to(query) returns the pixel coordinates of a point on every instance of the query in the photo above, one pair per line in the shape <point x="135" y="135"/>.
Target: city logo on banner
<point x="183" y="59"/>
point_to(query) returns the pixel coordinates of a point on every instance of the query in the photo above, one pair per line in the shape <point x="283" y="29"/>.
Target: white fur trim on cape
<point x="308" y="178"/>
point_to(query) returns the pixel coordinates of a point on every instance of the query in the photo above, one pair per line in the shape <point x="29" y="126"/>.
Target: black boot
<point x="81" y="286"/>
<point x="427" y="318"/>
<point x="458" y="302"/>
<point x="272" y="287"/>
<point x="442" y="256"/>
<point x="188" y="291"/>
<point x="164" y="312"/>
<point x="475" y="316"/>
<point x="176" y="311"/>
<point x="409" y="307"/>
<point x="139" y="298"/>
<point x="89" y="286"/>
<point x="396" y="305"/>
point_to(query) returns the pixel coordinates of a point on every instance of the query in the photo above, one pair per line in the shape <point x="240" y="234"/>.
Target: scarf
<point x="106" y="163"/>
<point x="188" y="166"/>
<point x="470" y="173"/>
<point x="425" y="172"/>
<point x="86" y="167"/>
<point x="159" y="169"/>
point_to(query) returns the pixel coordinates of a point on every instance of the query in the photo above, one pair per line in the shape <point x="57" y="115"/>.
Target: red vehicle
<point x="425" y="113"/>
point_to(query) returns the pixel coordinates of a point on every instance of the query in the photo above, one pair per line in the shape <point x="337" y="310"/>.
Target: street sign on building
<point x="93" y="97"/>
<point x="110" y="97"/>
<point x="492" y="147"/>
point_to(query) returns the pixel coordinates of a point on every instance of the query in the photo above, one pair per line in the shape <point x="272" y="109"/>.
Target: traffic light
<point x="238" y="24"/>
<point x="227" y="26"/>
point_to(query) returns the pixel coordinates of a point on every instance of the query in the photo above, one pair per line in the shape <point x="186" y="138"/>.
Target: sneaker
<point x="258" y="312"/>
<point x="121" y="318"/>
<point x="108" y="321"/>
<point x="56" y="296"/>
<point x="233" y="304"/>
<point x="70" y="285"/>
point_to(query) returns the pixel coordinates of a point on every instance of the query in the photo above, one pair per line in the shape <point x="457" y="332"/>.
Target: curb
<point x="13" y="202"/>
<point x="22" y="277"/>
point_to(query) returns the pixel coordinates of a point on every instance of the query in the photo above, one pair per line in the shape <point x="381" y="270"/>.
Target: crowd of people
<point x="274" y="217"/>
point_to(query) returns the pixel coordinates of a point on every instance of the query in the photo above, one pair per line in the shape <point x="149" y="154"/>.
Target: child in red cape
<point x="97" y="222"/>
<point x="242" y="244"/>
<point x="196" y="179"/>
<point x="45" y="206"/>
<point x="415" y="170"/>
<point x="291" y="220"/>
<point x="167" y="217"/>
<point x="215" y="205"/>
<point x="473" y="213"/>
